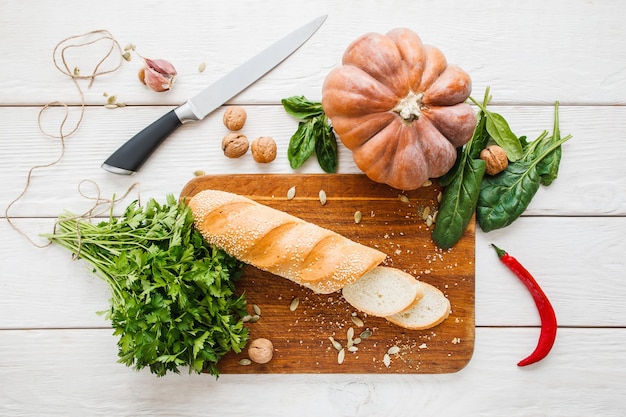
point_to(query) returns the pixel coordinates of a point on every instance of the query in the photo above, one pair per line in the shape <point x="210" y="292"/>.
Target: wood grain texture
<point x="301" y="337"/>
<point x="592" y="176"/>
<point x="523" y="62"/>
<point x="57" y="357"/>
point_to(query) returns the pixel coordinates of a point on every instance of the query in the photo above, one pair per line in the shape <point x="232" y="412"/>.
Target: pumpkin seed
<point x="358" y="217"/>
<point x="429" y="221"/>
<point x="246" y="318"/>
<point x="291" y="193"/>
<point x="353" y="349"/>
<point x="439" y="197"/>
<point x="245" y="362"/>
<point x="357" y="321"/>
<point x="126" y="55"/>
<point x="403" y="198"/>
<point x="357" y="340"/>
<point x="202" y="66"/>
<point x="322" y="197"/>
<point x="350" y="333"/>
<point x="365" y="334"/>
<point x="425" y="213"/>
<point x="428" y="183"/>
<point x="341" y="356"/>
<point x="199" y="173"/>
<point x="254" y="318"/>
<point x="257" y="309"/>
<point x="294" y="304"/>
<point x="335" y="343"/>
<point x="110" y="106"/>
<point x="387" y="360"/>
<point x="393" y="350"/>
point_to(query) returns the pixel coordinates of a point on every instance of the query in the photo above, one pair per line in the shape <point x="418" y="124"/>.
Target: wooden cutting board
<point x="390" y="224"/>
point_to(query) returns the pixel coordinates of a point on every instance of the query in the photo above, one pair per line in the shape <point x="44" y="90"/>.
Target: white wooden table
<point x="58" y="357"/>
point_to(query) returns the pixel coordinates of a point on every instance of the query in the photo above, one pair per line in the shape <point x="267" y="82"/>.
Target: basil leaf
<point x="458" y="203"/>
<point x="501" y="133"/>
<point x="504" y="197"/>
<point x="301" y="144"/>
<point x="301" y="108"/>
<point x="325" y="145"/>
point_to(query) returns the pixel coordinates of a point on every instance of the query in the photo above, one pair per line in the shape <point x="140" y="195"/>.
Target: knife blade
<point x="132" y="154"/>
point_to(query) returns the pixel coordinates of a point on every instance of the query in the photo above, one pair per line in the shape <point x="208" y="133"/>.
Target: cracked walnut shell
<point x="235" y="145"/>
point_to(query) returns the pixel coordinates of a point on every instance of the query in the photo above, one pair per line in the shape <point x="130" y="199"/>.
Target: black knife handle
<point x="131" y="155"/>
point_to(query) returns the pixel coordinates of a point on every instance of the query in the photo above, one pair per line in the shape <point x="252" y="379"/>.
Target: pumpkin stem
<point x="410" y="107"/>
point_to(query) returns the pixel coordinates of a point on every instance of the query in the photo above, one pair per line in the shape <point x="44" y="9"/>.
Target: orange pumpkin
<point x="400" y="108"/>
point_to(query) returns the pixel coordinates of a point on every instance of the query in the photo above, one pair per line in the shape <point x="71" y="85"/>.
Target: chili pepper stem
<point x="500" y="252"/>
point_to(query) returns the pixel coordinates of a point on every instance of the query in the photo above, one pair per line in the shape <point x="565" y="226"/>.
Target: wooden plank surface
<point x="397" y="228"/>
<point x="58" y="357"/>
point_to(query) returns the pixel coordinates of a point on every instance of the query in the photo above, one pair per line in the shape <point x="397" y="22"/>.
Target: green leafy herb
<point x="498" y="129"/>
<point x="504" y="197"/>
<point x="173" y="297"/>
<point x="462" y="187"/>
<point x="301" y="108"/>
<point x="497" y="200"/>
<point x="301" y="144"/>
<point x="314" y="134"/>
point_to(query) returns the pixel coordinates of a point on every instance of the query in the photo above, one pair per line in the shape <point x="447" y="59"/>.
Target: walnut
<point x="264" y="149"/>
<point x="495" y="159"/>
<point x="235" y="118"/>
<point x="261" y="350"/>
<point x="235" y="145"/>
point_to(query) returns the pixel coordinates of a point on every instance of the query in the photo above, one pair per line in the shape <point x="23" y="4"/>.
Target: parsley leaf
<point x="173" y="298"/>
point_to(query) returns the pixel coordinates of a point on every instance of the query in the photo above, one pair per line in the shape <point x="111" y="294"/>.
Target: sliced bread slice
<point x="383" y="291"/>
<point x="429" y="311"/>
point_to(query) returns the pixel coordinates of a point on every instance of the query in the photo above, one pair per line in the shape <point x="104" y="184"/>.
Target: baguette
<point x="279" y="243"/>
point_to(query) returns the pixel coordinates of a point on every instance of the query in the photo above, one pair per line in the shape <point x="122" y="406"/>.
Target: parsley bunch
<point x="173" y="302"/>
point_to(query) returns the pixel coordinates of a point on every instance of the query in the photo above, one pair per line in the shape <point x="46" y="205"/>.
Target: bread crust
<point x="279" y="243"/>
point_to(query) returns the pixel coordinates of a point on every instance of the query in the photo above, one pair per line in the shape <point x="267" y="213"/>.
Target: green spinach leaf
<point x="458" y="203"/>
<point x="548" y="167"/>
<point x="504" y="197"/>
<point x="500" y="131"/>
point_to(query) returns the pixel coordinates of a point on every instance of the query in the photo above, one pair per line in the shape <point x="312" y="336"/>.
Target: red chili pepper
<point x="546" y="312"/>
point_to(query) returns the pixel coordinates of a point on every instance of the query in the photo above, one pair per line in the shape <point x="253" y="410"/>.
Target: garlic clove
<point x="161" y="66"/>
<point x="157" y="74"/>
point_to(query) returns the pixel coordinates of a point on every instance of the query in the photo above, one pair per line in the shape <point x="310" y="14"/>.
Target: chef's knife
<point x="131" y="155"/>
